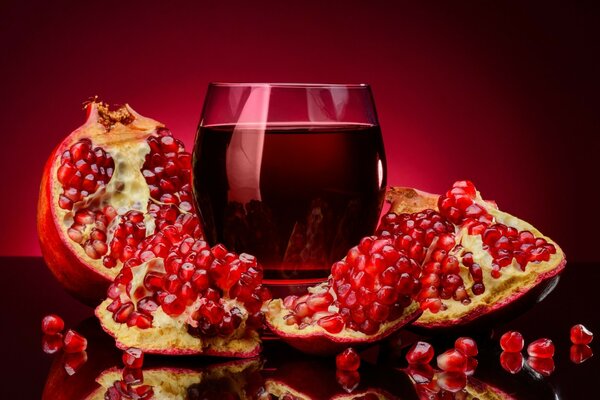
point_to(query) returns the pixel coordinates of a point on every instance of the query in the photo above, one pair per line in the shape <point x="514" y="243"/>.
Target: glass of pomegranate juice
<point x="294" y="174"/>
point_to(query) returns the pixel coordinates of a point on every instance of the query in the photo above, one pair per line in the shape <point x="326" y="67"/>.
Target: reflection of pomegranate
<point x="477" y="261"/>
<point x="115" y="180"/>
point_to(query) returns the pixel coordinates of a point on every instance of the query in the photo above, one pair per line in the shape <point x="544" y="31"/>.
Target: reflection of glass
<point x="294" y="174"/>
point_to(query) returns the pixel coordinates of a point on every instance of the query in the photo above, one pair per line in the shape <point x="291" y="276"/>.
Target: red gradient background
<point x="503" y="94"/>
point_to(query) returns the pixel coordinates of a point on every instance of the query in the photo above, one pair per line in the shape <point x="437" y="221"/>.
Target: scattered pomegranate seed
<point x="452" y="381"/>
<point x="52" y="324"/>
<point x="471" y="366"/>
<point x="348" y="380"/>
<point x="420" y="353"/>
<point x="74" y="342"/>
<point x="133" y="358"/>
<point x="72" y="362"/>
<point x="541" y="348"/>
<point x="52" y="343"/>
<point x="452" y="360"/>
<point x="511" y="361"/>
<point x="512" y="341"/>
<point x="347" y="360"/>
<point x="543" y="366"/>
<point x="581" y="335"/>
<point x="580" y="352"/>
<point x="467" y="346"/>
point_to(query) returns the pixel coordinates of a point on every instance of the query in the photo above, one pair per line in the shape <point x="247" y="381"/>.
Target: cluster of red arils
<point x="541" y="351"/>
<point x="71" y="343"/>
<point x="456" y="365"/>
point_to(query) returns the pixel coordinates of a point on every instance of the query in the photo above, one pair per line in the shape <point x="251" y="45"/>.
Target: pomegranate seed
<point x="52" y="343"/>
<point x="139" y="320"/>
<point x="543" y="366"/>
<point x="74" y="342"/>
<point x="541" y="348"/>
<point x="579" y="353"/>
<point x="348" y="360"/>
<point x="420" y="353"/>
<point x="172" y="305"/>
<point x="133" y="358"/>
<point x="471" y="366"/>
<point x="332" y="324"/>
<point x="511" y="362"/>
<point x="512" y="341"/>
<point x="467" y="346"/>
<point x="122" y="314"/>
<point x="452" y="360"/>
<point x="581" y="335"/>
<point x="452" y="381"/>
<point x="52" y="324"/>
<point x="72" y="362"/>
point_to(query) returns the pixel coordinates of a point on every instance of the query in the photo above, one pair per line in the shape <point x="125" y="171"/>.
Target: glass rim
<point x="292" y="85"/>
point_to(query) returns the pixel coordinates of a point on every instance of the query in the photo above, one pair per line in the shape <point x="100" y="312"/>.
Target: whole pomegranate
<point x="115" y="180"/>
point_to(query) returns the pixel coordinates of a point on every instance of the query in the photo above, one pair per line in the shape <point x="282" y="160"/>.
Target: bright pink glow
<point x="502" y="95"/>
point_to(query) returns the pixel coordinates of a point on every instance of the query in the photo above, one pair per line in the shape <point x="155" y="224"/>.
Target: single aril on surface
<point x="112" y="182"/>
<point x="347" y="360"/>
<point x="581" y="335"/>
<point x="52" y="324"/>
<point x="133" y="358"/>
<point x="541" y="348"/>
<point x="74" y="342"/>
<point x="467" y="346"/>
<point x="420" y="353"/>
<point x="452" y="360"/>
<point x="479" y="264"/>
<point x="512" y="341"/>
<point x="368" y="296"/>
<point x="195" y="300"/>
<point x="579" y="353"/>
<point x="511" y="361"/>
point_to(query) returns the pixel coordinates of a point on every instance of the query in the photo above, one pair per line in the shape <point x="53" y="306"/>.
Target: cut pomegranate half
<point x="478" y="263"/>
<point x="196" y="300"/>
<point x="115" y="180"/>
<point x="368" y="296"/>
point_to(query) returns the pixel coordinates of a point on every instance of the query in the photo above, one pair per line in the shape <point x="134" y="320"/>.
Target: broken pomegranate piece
<point x="478" y="263"/>
<point x="368" y="296"/>
<point x="115" y="180"/>
<point x="195" y="300"/>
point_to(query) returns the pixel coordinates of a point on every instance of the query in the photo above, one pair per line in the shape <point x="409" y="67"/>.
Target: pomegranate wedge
<point x="369" y="296"/>
<point x="115" y="180"/>
<point x="478" y="263"/>
<point x="197" y="300"/>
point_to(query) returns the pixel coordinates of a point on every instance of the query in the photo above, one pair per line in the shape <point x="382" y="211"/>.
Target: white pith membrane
<point x="173" y="383"/>
<point x="275" y="313"/>
<point x="513" y="281"/>
<point x="169" y="334"/>
<point x="127" y="188"/>
<point x="475" y="389"/>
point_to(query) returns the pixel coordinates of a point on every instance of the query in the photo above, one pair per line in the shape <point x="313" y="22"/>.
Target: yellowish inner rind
<point x="512" y="281"/>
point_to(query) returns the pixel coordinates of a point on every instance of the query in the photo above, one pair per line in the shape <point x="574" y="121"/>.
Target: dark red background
<point x="503" y="94"/>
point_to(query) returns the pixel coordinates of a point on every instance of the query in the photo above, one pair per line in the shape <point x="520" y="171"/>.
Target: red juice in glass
<point x="295" y="192"/>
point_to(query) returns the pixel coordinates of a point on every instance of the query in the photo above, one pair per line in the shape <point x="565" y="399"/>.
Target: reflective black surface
<point x="30" y="292"/>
